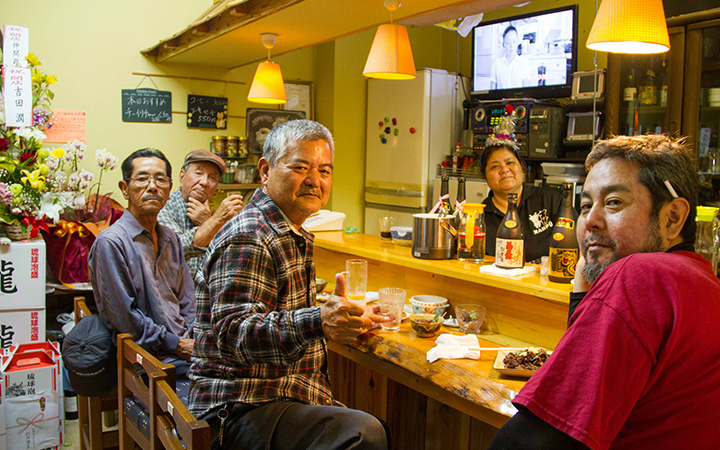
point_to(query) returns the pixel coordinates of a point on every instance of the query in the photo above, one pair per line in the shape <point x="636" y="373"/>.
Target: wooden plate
<point x="500" y="366"/>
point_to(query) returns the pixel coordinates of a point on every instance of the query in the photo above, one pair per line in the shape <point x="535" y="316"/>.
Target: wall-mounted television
<point x="528" y="56"/>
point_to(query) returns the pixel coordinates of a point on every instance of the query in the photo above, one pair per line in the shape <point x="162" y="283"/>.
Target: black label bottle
<point x="510" y="241"/>
<point x="564" y="251"/>
<point x="459" y="200"/>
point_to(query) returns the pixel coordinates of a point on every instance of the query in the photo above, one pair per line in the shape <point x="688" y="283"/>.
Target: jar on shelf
<point x="218" y="145"/>
<point x="232" y="146"/>
<point x="242" y="146"/>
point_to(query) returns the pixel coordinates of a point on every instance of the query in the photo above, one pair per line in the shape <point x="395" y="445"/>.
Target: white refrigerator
<point x="411" y="126"/>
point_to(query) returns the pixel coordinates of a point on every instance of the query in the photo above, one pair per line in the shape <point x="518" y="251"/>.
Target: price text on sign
<point x="207" y="112"/>
<point x="146" y="105"/>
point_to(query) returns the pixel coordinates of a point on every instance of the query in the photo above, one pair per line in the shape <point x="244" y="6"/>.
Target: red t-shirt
<point x="639" y="366"/>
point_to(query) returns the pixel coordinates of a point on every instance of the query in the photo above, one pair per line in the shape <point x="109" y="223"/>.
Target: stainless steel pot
<point x="430" y="239"/>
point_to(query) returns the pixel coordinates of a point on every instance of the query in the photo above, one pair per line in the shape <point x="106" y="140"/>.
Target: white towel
<point x="492" y="269"/>
<point x="449" y="346"/>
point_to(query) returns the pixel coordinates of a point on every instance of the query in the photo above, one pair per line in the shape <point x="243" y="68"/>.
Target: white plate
<point x="405" y="316"/>
<point x="451" y="322"/>
<point x="323" y="297"/>
<point x="500" y="366"/>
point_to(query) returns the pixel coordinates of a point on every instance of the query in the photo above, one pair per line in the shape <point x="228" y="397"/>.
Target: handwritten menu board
<point x="68" y="126"/>
<point x="146" y="105"/>
<point x="259" y="122"/>
<point x="207" y="112"/>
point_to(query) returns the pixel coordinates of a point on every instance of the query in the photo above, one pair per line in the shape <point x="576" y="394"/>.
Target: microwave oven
<point x="583" y="86"/>
<point x="580" y="127"/>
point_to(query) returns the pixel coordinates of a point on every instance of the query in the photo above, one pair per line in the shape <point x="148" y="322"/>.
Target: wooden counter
<point x="531" y="309"/>
<point x="456" y="404"/>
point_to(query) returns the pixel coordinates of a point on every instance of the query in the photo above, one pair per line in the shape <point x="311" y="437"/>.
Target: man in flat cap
<point x="188" y="211"/>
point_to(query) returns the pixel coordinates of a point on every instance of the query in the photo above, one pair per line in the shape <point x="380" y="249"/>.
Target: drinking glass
<point x="391" y="302"/>
<point x="356" y="280"/>
<point x="385" y="224"/>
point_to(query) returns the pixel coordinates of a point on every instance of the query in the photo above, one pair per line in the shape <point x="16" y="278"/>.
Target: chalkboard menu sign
<point x="146" y="105"/>
<point x="207" y="112"/>
<point x="261" y="121"/>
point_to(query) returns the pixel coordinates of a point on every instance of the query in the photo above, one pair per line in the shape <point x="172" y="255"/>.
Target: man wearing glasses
<point x="141" y="283"/>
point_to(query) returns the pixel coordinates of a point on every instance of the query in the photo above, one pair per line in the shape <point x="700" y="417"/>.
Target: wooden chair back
<point x="90" y="409"/>
<point x="132" y="386"/>
<point x="174" y="424"/>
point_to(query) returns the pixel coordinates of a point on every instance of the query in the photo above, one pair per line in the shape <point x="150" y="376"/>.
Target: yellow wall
<point x="93" y="48"/>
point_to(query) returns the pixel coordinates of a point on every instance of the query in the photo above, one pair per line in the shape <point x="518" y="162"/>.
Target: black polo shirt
<point x="539" y="209"/>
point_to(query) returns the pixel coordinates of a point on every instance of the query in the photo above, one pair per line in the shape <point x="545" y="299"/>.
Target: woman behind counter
<point x="538" y="207"/>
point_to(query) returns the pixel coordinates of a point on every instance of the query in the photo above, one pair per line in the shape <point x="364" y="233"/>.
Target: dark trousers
<point x="290" y="425"/>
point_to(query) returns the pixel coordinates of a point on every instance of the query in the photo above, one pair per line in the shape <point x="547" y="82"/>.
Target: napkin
<point x="449" y="346"/>
<point x="492" y="269"/>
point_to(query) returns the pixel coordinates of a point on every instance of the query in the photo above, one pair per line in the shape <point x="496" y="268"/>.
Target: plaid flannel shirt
<point x="258" y="338"/>
<point x="174" y="216"/>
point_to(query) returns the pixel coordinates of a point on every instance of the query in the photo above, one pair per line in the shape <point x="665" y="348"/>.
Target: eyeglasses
<point x="160" y="181"/>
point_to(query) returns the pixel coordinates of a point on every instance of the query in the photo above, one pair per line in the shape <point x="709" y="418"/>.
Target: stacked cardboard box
<point x="22" y="292"/>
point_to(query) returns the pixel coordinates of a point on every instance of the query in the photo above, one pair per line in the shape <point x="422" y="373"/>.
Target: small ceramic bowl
<point x="425" y="325"/>
<point x="320" y="284"/>
<point x="402" y="235"/>
<point x="429" y="304"/>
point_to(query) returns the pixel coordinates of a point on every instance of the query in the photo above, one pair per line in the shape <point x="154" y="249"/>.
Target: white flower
<point x="49" y="207"/>
<point x="86" y="176"/>
<point x="104" y="159"/>
<point x="30" y="133"/>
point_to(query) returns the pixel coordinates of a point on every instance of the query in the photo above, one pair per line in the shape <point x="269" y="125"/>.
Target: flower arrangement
<point x="35" y="185"/>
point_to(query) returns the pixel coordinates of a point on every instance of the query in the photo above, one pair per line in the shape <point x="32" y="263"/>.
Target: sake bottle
<point x="564" y="251"/>
<point x="510" y="241"/>
<point x="460" y="198"/>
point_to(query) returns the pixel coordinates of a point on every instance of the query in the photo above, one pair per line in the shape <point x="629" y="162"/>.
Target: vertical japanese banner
<point x="15" y="46"/>
<point x="18" y="96"/>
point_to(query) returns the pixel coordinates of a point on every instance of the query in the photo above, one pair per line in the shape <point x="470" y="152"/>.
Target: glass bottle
<point x="705" y="235"/>
<point x="510" y="241"/>
<point x="648" y="92"/>
<point x="445" y="207"/>
<point x="460" y="197"/>
<point x="630" y="98"/>
<point x="564" y="250"/>
<point x="663" y="83"/>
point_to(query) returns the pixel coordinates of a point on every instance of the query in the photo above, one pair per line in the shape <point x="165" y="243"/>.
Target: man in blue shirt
<point x="140" y="281"/>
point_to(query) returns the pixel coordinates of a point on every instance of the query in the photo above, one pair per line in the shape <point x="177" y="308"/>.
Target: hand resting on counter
<point x="342" y="320"/>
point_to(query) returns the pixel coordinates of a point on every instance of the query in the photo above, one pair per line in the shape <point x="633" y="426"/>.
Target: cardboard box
<point x="22" y="327"/>
<point x="22" y="275"/>
<point x="32" y="396"/>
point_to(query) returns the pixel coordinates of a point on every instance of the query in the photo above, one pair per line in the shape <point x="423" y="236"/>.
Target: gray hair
<point x="280" y="138"/>
<point x="659" y="158"/>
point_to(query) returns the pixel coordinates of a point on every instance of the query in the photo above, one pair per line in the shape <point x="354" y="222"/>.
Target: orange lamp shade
<point x="268" y="86"/>
<point x="630" y="26"/>
<point x="390" y="56"/>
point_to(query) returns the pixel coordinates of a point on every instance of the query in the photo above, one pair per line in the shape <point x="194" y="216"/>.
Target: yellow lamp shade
<point x="630" y="26"/>
<point x="267" y="86"/>
<point x="390" y="56"/>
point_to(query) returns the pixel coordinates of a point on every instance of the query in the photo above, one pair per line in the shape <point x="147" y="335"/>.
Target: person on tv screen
<point x="508" y="70"/>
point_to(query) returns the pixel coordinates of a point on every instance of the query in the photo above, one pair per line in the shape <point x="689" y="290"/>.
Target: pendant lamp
<point x="390" y="56"/>
<point x="630" y="26"/>
<point x="268" y="86"/>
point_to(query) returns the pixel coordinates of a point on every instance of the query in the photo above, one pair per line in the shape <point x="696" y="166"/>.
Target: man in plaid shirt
<point x="260" y="357"/>
<point x="187" y="211"/>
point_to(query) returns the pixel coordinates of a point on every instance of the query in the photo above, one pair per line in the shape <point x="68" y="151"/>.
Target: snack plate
<point x="500" y="366"/>
<point x="451" y="322"/>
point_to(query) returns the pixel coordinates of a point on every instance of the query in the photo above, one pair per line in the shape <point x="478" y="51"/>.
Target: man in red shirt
<point x="639" y="366"/>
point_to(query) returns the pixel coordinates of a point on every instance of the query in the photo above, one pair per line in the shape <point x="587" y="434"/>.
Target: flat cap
<point x="203" y="155"/>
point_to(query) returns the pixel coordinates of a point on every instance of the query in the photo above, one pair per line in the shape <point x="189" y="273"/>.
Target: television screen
<point x="528" y="56"/>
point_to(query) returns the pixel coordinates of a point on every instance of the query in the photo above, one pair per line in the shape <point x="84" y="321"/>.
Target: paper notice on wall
<point x="15" y="46"/>
<point x="69" y="125"/>
<point x="18" y="96"/>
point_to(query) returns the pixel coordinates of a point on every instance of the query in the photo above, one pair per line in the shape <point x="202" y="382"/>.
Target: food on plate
<point x="526" y="359"/>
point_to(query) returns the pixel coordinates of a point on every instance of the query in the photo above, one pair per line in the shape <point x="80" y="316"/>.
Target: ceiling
<point x="228" y="34"/>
